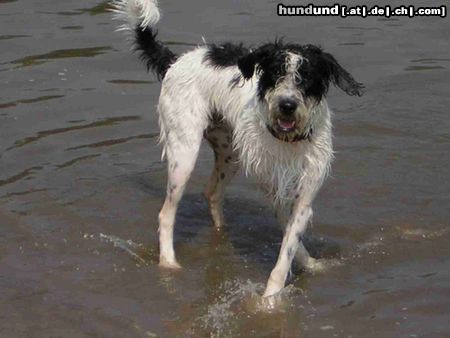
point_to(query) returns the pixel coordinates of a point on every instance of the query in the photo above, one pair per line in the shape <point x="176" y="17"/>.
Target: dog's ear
<point x="340" y="77"/>
<point x="247" y="64"/>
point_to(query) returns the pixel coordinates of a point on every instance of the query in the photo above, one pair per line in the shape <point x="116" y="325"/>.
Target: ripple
<point x="243" y="13"/>
<point x="9" y="37"/>
<point x="72" y="27"/>
<point x="76" y="160"/>
<point x="46" y="133"/>
<point x="23" y="193"/>
<point x="19" y="176"/>
<point x="113" y="142"/>
<point x="428" y="275"/>
<point x="359" y="28"/>
<point x="351" y="44"/>
<point x="422" y="68"/>
<point x="102" y="8"/>
<point x="124" y="81"/>
<point x="431" y="60"/>
<point x="7" y="105"/>
<point x="33" y="100"/>
<point x="348" y="304"/>
<point x="375" y="291"/>
<point x="39" y="59"/>
<point x="426" y="64"/>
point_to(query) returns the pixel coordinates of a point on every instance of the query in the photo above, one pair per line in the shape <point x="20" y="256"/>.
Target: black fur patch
<point x="319" y="70"/>
<point x="316" y="72"/>
<point x="157" y="56"/>
<point x="224" y="55"/>
<point x="271" y="65"/>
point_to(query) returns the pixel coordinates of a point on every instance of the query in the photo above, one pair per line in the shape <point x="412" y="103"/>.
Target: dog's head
<point x="292" y="80"/>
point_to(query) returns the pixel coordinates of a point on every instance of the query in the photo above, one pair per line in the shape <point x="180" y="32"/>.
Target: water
<point x="81" y="184"/>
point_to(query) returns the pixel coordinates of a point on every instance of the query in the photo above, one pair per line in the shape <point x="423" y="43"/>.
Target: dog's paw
<point x="275" y="302"/>
<point x="173" y="265"/>
<point x="268" y="303"/>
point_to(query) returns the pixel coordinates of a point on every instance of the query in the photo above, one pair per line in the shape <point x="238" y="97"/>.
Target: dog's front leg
<point x="293" y="235"/>
<point x="302" y="256"/>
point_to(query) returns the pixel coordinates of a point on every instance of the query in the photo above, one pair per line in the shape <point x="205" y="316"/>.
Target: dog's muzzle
<point x="289" y="134"/>
<point x="285" y="126"/>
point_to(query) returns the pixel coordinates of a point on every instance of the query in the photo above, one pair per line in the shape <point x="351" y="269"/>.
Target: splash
<point x="219" y="317"/>
<point x="127" y="245"/>
<point x="238" y="301"/>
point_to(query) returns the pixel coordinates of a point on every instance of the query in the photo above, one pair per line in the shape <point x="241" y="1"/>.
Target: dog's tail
<point x="140" y="17"/>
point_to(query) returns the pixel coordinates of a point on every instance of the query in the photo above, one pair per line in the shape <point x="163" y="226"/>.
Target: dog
<point x="263" y="109"/>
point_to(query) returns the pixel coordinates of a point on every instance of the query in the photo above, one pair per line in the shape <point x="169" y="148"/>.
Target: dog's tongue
<point x="286" y="124"/>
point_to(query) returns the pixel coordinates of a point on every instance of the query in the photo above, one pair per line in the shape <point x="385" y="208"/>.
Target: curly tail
<point x="139" y="17"/>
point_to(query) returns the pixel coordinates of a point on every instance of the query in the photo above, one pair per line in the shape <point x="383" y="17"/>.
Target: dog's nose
<point x="287" y="106"/>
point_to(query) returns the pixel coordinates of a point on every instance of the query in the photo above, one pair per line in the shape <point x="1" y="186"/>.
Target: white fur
<point x="291" y="173"/>
<point x="280" y="166"/>
<point x="136" y="12"/>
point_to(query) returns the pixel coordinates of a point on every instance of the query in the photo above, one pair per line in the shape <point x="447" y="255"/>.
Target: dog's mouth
<point x="286" y="126"/>
<point x="287" y="130"/>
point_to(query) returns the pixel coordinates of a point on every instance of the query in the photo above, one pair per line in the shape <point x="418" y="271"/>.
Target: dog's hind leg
<point x="226" y="165"/>
<point x="181" y="161"/>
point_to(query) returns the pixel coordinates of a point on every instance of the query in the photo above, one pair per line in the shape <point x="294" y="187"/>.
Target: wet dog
<point x="263" y="109"/>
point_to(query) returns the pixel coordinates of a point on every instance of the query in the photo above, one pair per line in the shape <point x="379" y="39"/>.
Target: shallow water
<point x="81" y="184"/>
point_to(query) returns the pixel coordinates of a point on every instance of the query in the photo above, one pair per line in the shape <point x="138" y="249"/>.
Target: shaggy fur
<point x="262" y="109"/>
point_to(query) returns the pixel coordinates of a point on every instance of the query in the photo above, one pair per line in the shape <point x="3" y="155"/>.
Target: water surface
<point x="81" y="184"/>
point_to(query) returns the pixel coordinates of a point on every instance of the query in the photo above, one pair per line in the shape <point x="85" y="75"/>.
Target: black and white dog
<point x="262" y="108"/>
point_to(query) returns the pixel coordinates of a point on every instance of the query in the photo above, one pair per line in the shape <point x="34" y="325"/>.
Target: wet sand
<point x="81" y="183"/>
